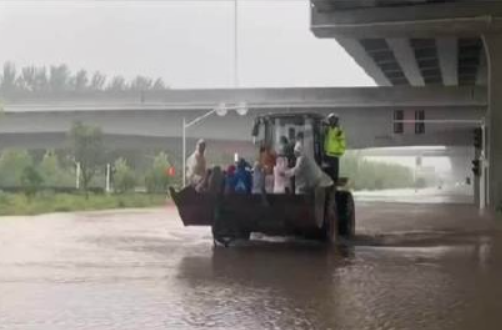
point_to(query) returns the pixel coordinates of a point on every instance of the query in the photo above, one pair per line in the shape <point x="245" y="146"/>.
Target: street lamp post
<point x="221" y="110"/>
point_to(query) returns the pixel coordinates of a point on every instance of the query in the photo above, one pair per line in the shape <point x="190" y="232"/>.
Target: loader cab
<point x="280" y="132"/>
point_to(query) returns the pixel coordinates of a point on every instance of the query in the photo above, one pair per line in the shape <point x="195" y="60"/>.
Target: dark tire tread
<point x="346" y="214"/>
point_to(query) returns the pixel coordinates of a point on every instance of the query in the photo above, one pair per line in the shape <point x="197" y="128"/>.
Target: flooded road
<point x="412" y="266"/>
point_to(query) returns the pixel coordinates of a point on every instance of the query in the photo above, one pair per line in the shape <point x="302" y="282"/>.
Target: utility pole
<point x="108" y="179"/>
<point x="184" y="152"/>
<point x="236" y="44"/>
<point x="77" y="175"/>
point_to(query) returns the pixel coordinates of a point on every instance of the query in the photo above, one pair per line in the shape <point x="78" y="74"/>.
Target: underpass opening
<point x="419" y="175"/>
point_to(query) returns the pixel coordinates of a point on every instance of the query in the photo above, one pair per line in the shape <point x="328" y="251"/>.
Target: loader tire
<point x="346" y="214"/>
<point x="330" y="225"/>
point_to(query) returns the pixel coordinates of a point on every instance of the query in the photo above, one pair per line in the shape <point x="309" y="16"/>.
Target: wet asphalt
<point x="420" y="265"/>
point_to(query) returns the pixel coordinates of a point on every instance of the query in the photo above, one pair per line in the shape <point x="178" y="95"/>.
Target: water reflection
<point x="264" y="285"/>
<point x="302" y="286"/>
<point x="422" y="273"/>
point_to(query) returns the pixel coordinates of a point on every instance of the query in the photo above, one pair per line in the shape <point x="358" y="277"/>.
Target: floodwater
<point x="412" y="266"/>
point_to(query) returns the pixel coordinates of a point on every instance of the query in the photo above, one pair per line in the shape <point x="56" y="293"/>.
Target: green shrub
<point x="20" y="204"/>
<point x="53" y="174"/>
<point x="370" y="175"/>
<point x="4" y="198"/>
<point x="420" y="183"/>
<point x="31" y="181"/>
<point x="156" y="179"/>
<point x="12" y="165"/>
<point x="89" y="151"/>
<point x="124" y="179"/>
<point x="62" y="208"/>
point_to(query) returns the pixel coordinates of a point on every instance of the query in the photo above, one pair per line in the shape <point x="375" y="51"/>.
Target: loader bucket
<point x="194" y="209"/>
<point x="277" y="214"/>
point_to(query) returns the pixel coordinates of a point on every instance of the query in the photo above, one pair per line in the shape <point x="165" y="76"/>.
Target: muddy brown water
<point x="412" y="266"/>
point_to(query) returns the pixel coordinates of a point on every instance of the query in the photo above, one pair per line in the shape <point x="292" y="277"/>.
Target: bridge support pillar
<point x="477" y="190"/>
<point x="493" y="47"/>
<point x="476" y="183"/>
<point x="461" y="171"/>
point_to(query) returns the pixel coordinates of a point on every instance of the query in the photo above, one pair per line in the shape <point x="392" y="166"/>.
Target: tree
<point x="364" y="174"/>
<point x="141" y="83"/>
<point x="52" y="173"/>
<point x="124" y="179"/>
<point x="59" y="77"/>
<point x="12" y="164"/>
<point x="98" y="80"/>
<point x="41" y="80"/>
<point x="8" y="77"/>
<point x="156" y="179"/>
<point x="118" y="83"/>
<point x="80" y="81"/>
<point x="26" y="81"/>
<point x="31" y="181"/>
<point x="158" y="85"/>
<point x="88" y="150"/>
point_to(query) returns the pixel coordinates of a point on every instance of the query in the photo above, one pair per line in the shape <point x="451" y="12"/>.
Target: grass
<point x="20" y="204"/>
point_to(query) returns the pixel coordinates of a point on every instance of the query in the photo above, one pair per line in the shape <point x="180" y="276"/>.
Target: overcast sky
<point x="190" y="44"/>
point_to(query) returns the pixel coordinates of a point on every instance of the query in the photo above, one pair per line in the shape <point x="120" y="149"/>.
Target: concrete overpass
<point x="412" y="42"/>
<point x="35" y="121"/>
<point x="426" y="43"/>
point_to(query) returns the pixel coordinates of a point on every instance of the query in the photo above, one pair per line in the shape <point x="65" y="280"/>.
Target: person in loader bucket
<point x="196" y="170"/>
<point x="308" y="175"/>
<point x="334" y="146"/>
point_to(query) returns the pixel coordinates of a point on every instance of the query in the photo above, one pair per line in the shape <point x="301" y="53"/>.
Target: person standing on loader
<point x="196" y="170"/>
<point x="334" y="146"/>
<point x="308" y="175"/>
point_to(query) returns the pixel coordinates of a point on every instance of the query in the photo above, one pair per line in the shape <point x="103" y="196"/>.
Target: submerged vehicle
<point x="323" y="214"/>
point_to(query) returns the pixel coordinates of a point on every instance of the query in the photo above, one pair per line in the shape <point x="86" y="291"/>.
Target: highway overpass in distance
<point x="367" y="114"/>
